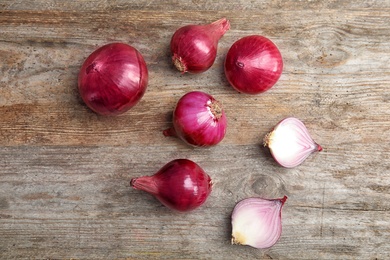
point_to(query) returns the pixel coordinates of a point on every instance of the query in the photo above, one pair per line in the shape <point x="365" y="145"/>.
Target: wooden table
<point x="65" y="171"/>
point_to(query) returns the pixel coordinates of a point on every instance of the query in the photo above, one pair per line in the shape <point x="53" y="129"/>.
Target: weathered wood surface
<point x="64" y="171"/>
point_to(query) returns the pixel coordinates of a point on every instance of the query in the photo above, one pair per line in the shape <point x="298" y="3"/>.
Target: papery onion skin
<point x="257" y="222"/>
<point x="113" y="79"/>
<point x="290" y="142"/>
<point x="194" y="47"/>
<point x="198" y="119"/>
<point x="253" y="64"/>
<point x="181" y="185"/>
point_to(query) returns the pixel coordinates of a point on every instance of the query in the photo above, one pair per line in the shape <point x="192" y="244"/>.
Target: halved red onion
<point x="290" y="143"/>
<point x="257" y="222"/>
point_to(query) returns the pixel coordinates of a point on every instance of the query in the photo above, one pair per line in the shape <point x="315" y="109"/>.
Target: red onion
<point x="180" y="185"/>
<point x="253" y="64"/>
<point x="198" y="119"/>
<point x="257" y="222"/>
<point x="290" y="143"/>
<point x="113" y="79"/>
<point x="194" y="47"/>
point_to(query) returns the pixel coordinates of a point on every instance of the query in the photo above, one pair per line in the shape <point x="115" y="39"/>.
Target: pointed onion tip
<point x="223" y="24"/>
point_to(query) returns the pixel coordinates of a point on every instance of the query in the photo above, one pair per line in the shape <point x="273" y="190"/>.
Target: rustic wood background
<point x="65" y="171"/>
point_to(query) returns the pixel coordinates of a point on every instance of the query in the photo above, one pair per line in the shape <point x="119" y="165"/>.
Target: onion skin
<point x="181" y="185"/>
<point x="257" y="222"/>
<point x="194" y="47"/>
<point x="113" y="79"/>
<point x="253" y="64"/>
<point x="198" y="119"/>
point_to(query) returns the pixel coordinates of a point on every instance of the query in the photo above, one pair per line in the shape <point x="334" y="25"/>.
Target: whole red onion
<point x="181" y="185"/>
<point x="194" y="47"/>
<point x="253" y="64"/>
<point x="113" y="79"/>
<point x="198" y="120"/>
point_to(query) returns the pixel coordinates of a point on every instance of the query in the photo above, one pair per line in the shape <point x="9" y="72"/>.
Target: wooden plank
<point x="76" y="202"/>
<point x="64" y="171"/>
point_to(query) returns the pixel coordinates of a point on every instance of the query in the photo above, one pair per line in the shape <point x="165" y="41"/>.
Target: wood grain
<point x="65" y="171"/>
